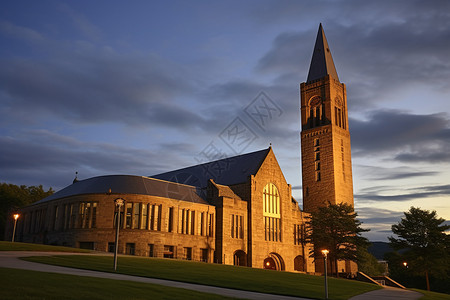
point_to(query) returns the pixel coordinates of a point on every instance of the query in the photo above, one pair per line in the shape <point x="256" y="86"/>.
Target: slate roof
<point x="321" y="63"/>
<point x="226" y="171"/>
<point x="129" y="184"/>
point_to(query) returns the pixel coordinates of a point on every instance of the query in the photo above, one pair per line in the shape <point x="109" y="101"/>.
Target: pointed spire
<point x="321" y="63"/>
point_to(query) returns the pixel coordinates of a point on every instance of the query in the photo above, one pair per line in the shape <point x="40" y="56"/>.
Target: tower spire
<point x="321" y="63"/>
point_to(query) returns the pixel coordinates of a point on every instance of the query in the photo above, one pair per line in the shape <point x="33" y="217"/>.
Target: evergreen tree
<point x="426" y="245"/>
<point x="336" y="229"/>
<point x="13" y="197"/>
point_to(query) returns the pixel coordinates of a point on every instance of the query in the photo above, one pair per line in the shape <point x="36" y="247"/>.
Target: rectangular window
<point x="318" y="176"/>
<point x="55" y="219"/>
<point x="151" y="250"/>
<point x="158" y="217"/>
<point x="317" y="155"/>
<point x="65" y="220"/>
<point x="168" y="251"/>
<point x="94" y="215"/>
<point x="87" y="215"/>
<point x="111" y="247"/>
<point x="144" y="212"/>
<point x="130" y="248"/>
<point x="187" y="253"/>
<point x="211" y="225"/>
<point x="241" y="227"/>
<point x="170" y="225"/>
<point x="128" y="216"/>
<point x="87" y="245"/>
<point x="73" y="216"/>
<point x="202" y="223"/>
<point x="152" y="216"/>
<point x="80" y="215"/>
<point x="204" y="255"/>
<point x="136" y="214"/>
<point x="232" y="226"/>
<point x="192" y="222"/>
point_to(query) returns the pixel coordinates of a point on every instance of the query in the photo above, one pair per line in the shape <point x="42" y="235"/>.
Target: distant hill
<point x="378" y="249"/>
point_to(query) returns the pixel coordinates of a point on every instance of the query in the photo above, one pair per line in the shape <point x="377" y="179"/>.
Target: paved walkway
<point x="388" y="293"/>
<point x="10" y="259"/>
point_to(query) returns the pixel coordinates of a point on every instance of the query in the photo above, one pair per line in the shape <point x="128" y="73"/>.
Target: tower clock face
<point x="316" y="100"/>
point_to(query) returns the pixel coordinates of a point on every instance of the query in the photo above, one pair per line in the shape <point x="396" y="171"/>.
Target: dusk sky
<point x="143" y="87"/>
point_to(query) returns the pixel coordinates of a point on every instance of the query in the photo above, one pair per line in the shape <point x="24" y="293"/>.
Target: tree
<point x="336" y="229"/>
<point x="425" y="244"/>
<point x="13" y="197"/>
<point x="368" y="264"/>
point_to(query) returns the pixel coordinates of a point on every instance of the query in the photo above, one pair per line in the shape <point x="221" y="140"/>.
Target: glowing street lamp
<point x="405" y="264"/>
<point x="118" y="203"/>
<point x="325" y="253"/>
<point x="16" y="216"/>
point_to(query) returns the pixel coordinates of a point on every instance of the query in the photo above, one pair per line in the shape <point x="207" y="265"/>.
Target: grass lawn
<point x="24" y="284"/>
<point x="9" y="246"/>
<point x="259" y="280"/>
<point x="432" y="295"/>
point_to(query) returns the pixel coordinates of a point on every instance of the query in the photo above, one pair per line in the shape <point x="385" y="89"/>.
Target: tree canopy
<point x="336" y="229"/>
<point x="13" y="197"/>
<point x="426" y="246"/>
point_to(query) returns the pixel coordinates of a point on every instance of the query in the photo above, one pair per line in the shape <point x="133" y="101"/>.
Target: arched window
<point x="272" y="213"/>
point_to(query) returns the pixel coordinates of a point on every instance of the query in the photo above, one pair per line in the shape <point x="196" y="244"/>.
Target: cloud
<point x="42" y="157"/>
<point x="413" y="193"/>
<point x="20" y="32"/>
<point x="397" y="173"/>
<point x="410" y="137"/>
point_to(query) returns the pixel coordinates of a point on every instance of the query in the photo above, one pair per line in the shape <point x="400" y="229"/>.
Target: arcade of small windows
<point x="316" y="112"/>
<point x="339" y="114"/>
<point x="317" y="159"/>
<point x="272" y="215"/>
<point x="237" y="226"/>
<point x="149" y="217"/>
<point x="299" y="234"/>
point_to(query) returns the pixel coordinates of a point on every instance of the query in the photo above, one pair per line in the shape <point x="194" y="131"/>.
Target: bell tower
<point x="325" y="138"/>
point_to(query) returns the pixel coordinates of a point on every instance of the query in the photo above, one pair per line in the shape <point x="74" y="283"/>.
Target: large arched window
<point x="272" y="215"/>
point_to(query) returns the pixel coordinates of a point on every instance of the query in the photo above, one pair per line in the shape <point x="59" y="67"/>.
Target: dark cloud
<point x="381" y="44"/>
<point x="409" y="137"/>
<point x="411" y="194"/>
<point x="42" y="157"/>
<point x="383" y="173"/>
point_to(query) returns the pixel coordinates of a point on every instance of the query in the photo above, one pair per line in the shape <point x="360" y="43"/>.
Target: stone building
<point x="325" y="138"/>
<point x="238" y="210"/>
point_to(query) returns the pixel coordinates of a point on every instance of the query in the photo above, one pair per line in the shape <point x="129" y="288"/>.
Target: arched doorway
<point x="299" y="263"/>
<point x="240" y="258"/>
<point x="274" y="262"/>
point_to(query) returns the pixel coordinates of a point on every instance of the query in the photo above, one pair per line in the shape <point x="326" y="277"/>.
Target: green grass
<point x="259" y="280"/>
<point x="9" y="246"/>
<point x="432" y="295"/>
<point x="24" y="284"/>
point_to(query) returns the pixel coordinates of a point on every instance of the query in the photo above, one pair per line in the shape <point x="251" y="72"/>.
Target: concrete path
<point x="388" y="293"/>
<point x="11" y="260"/>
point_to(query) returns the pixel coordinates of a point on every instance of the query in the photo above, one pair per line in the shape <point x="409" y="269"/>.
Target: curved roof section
<point x="227" y="171"/>
<point x="129" y="184"/>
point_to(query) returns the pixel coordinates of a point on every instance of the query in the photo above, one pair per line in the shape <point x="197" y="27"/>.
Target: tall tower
<point x="325" y="139"/>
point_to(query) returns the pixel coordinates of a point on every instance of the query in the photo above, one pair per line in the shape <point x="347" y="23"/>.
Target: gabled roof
<point x="321" y="63"/>
<point x="227" y="171"/>
<point x="128" y="184"/>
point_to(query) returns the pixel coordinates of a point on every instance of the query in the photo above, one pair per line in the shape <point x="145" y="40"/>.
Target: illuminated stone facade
<point x="243" y="216"/>
<point x="325" y="138"/>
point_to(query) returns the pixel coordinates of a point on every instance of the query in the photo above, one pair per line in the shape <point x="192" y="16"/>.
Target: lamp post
<point x="325" y="253"/>
<point x="16" y="216"/>
<point x="118" y="203"/>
